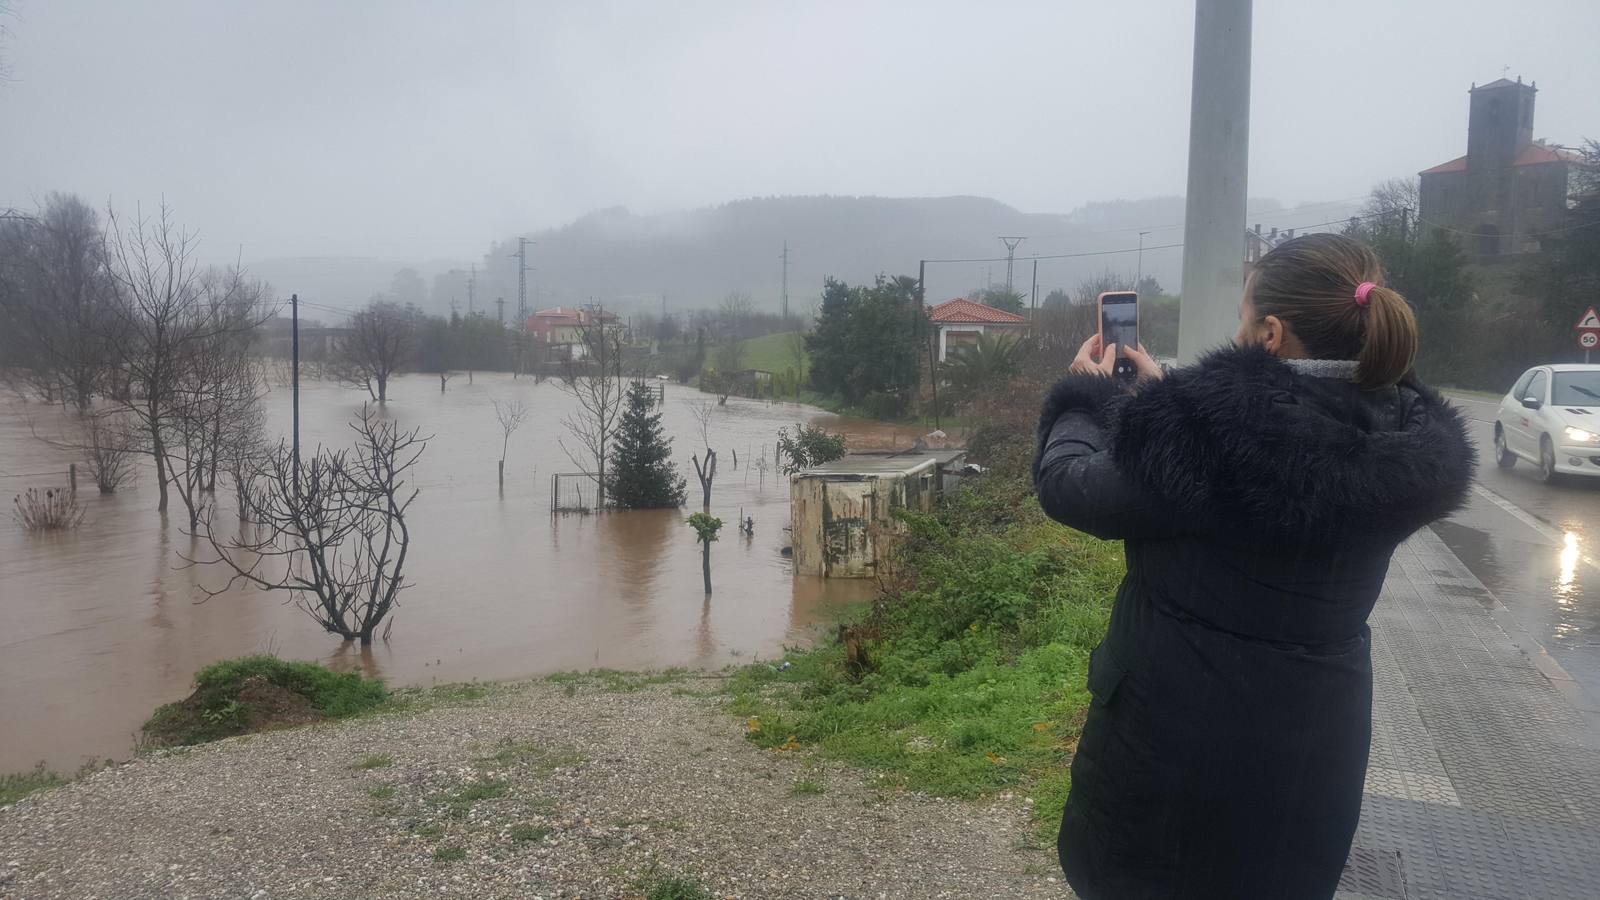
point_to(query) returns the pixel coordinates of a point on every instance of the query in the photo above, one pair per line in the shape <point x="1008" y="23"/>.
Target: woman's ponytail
<point x="1388" y="340"/>
<point x="1326" y="288"/>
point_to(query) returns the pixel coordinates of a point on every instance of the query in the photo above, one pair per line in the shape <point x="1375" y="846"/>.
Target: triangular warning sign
<point x="1589" y="320"/>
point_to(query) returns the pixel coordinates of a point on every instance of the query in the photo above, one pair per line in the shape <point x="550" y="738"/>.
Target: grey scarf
<point x="1339" y="369"/>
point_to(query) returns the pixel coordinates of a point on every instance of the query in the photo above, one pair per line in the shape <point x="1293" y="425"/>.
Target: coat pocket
<point x="1104" y="676"/>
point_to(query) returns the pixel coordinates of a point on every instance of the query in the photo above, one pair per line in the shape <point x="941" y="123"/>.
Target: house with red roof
<point x="562" y="327"/>
<point x="960" y="321"/>
<point x="1509" y="189"/>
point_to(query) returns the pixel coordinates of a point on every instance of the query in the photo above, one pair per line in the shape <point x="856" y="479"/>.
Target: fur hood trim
<point x="1244" y="441"/>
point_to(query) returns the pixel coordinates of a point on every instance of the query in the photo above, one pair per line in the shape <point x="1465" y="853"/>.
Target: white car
<point x="1551" y="418"/>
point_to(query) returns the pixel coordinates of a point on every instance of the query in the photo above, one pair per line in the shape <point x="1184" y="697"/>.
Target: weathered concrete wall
<point x="843" y="526"/>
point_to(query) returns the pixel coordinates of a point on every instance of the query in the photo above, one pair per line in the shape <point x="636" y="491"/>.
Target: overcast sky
<point x="424" y="130"/>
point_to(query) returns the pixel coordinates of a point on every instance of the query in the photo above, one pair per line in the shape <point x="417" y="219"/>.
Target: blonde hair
<point x="1310" y="283"/>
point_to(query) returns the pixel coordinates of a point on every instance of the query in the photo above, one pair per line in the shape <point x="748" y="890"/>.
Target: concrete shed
<point x="841" y="514"/>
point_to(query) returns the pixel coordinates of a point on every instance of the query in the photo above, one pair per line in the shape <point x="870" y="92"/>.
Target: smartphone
<point x="1119" y="324"/>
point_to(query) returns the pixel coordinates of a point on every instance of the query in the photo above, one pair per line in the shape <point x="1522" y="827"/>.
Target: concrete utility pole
<point x="521" y="257"/>
<point x="1011" y="252"/>
<point x="472" y="288"/>
<point x="500" y="311"/>
<point x="1140" y="277"/>
<point x="783" y="304"/>
<point x="1219" y="156"/>
<point x="294" y="311"/>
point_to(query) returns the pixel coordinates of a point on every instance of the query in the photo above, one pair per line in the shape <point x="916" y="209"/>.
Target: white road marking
<point x="1551" y="533"/>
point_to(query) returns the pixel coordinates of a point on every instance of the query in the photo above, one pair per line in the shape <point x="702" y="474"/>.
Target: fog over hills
<point x="694" y="257"/>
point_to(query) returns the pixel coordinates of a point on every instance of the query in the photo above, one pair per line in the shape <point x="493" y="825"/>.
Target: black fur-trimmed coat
<point x="1226" y="743"/>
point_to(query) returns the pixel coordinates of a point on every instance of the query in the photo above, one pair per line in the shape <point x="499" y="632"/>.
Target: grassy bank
<point x="251" y="693"/>
<point x="968" y="677"/>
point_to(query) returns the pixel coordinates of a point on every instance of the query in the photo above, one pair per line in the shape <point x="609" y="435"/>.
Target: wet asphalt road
<point x="1537" y="547"/>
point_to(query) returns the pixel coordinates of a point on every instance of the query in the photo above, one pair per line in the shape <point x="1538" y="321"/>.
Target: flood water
<point x="104" y="623"/>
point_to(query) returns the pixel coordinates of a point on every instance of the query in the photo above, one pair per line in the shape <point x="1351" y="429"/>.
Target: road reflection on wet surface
<point x="1537" y="547"/>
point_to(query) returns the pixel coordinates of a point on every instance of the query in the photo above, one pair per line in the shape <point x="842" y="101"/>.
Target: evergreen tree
<point x="642" y="474"/>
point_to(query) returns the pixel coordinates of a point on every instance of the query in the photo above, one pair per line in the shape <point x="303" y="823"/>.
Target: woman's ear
<point x="1273" y="333"/>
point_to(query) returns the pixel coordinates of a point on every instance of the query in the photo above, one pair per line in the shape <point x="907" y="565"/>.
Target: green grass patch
<point x="375" y="761"/>
<point x="543" y="760"/>
<point x="527" y="834"/>
<point x="976" y="659"/>
<point x="429" y="831"/>
<point x="461" y="802"/>
<point x="250" y="693"/>
<point x="676" y="887"/>
<point x="807" y="787"/>
<point x="15" y="786"/>
<point x="618" y="682"/>
<point x="449" y="854"/>
<point x="380" y="793"/>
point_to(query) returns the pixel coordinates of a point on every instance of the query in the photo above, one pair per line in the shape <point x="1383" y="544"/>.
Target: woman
<point x="1260" y="494"/>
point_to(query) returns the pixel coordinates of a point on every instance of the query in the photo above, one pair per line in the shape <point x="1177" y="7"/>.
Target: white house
<point x="960" y="321"/>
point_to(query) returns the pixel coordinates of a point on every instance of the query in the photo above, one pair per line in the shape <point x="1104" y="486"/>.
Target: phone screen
<point x="1119" y="320"/>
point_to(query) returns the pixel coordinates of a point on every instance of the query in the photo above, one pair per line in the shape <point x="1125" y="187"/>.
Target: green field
<point x="771" y="353"/>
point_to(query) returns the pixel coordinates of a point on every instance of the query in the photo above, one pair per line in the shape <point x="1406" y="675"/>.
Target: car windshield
<point x="1576" y="389"/>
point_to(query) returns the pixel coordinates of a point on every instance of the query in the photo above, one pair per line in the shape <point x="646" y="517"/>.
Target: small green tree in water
<point x="810" y="445"/>
<point x="705" y="531"/>
<point x="642" y="473"/>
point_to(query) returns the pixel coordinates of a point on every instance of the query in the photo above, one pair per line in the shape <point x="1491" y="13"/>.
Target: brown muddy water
<point x="100" y="625"/>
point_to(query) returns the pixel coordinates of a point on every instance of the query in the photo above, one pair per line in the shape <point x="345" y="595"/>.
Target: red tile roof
<point x="963" y="310"/>
<point x="1535" y="154"/>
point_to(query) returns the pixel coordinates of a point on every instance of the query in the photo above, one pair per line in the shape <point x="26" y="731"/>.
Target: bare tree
<point x="511" y="414"/>
<point x="1389" y="198"/>
<point x="595" y="381"/>
<point x="380" y="344"/>
<point x="110" y="447"/>
<point x="702" y="410"/>
<point x="336" y="540"/>
<point x="706" y="472"/>
<point x="174" y="326"/>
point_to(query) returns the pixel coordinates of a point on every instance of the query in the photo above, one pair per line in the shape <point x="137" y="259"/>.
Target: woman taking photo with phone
<point x="1260" y="495"/>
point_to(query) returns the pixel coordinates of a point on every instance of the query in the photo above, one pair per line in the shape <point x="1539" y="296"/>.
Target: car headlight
<point x="1578" y="435"/>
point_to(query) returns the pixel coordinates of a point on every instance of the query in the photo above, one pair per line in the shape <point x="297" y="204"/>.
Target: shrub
<point x="237" y="695"/>
<point x="969" y="671"/>
<point x="334" y="694"/>
<point x="52" y="509"/>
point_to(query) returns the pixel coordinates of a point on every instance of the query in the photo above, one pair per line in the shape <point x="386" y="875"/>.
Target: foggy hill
<point x="698" y="256"/>
<point x="695" y="257"/>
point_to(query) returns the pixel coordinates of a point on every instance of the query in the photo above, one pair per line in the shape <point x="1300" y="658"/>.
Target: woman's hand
<point x="1093" y="359"/>
<point x="1086" y="362"/>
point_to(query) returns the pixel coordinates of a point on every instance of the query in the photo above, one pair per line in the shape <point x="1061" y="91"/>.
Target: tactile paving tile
<point x="1402" y="825"/>
<point x="1475" y="852"/>
<point x="1372" y="872"/>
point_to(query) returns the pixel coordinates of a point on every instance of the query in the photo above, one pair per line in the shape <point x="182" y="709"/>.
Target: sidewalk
<point x="1484" y="779"/>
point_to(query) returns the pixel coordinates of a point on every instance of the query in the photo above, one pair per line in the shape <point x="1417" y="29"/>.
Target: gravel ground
<point x="531" y="790"/>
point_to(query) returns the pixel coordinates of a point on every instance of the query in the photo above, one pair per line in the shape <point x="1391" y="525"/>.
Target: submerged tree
<point x="380" y="345"/>
<point x="510" y="414"/>
<point x="705" y="531"/>
<point x="642" y="473"/>
<point x="595" y="381"/>
<point x="334" y="534"/>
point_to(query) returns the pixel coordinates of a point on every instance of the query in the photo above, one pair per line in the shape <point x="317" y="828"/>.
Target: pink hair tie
<point x="1362" y="291"/>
